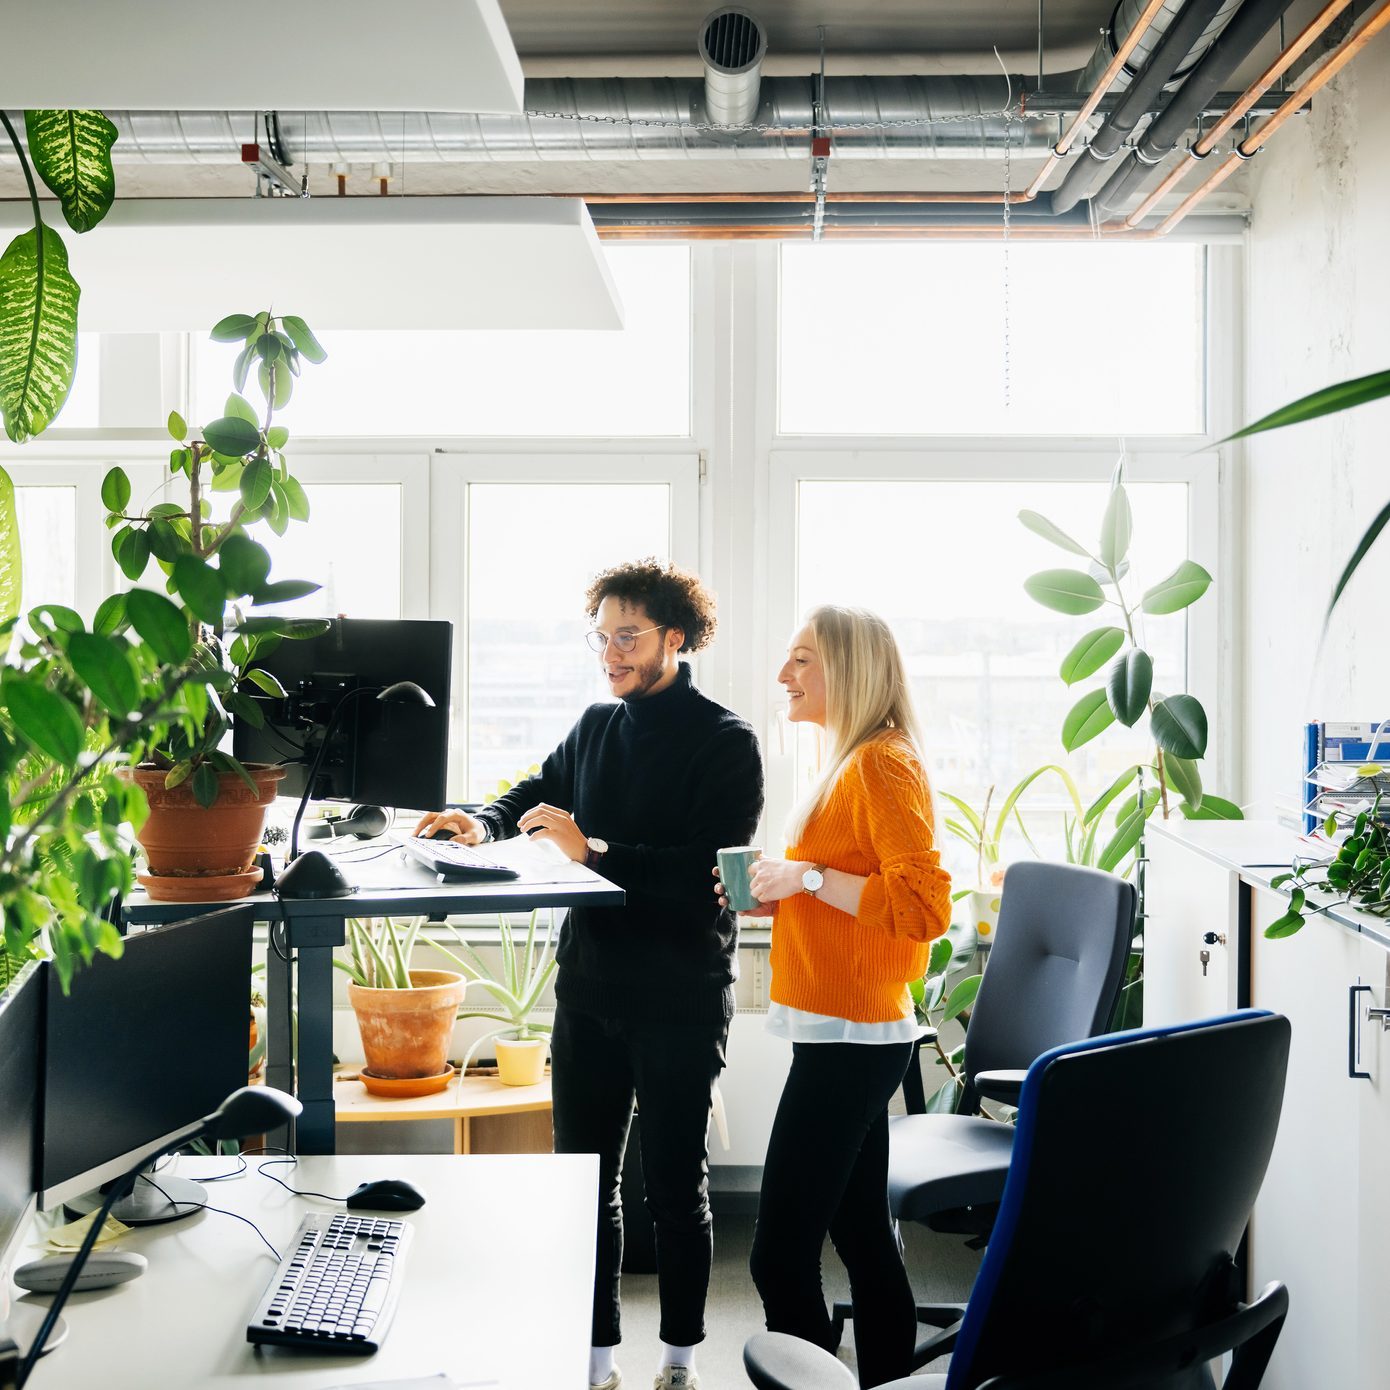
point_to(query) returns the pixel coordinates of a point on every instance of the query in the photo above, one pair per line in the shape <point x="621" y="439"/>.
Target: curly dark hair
<point x="671" y="596"/>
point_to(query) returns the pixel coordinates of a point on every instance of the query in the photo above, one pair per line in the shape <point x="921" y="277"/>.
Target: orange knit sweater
<point x="877" y="822"/>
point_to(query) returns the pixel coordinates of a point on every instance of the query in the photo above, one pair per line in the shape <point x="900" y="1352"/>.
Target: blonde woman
<point x="856" y="902"/>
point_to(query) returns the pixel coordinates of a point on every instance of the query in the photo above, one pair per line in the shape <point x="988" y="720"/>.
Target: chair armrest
<point x="1003" y="1086"/>
<point x="775" y="1361"/>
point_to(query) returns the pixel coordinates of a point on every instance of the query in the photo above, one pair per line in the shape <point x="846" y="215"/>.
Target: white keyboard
<point x="452" y="860"/>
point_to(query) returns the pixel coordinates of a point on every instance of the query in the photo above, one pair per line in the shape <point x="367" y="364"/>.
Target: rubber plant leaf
<point x="1091" y="653"/>
<point x="1065" y="591"/>
<point x="1179" y="725"/>
<point x="38" y="331"/>
<point x="1129" y="684"/>
<point x="71" y="151"/>
<point x="11" y="569"/>
<point x="1089" y="716"/>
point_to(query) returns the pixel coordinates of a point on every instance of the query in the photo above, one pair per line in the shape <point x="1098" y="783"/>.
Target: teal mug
<point x="735" y="866"/>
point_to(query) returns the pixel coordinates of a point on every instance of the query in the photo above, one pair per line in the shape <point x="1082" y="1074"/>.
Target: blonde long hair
<point x="866" y="696"/>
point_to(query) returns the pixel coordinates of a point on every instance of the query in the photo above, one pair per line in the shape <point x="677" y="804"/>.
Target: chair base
<point x="945" y="1317"/>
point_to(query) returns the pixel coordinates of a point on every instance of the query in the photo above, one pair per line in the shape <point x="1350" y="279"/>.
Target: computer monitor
<point x="21" y="1070"/>
<point x="143" y="1046"/>
<point x="386" y="753"/>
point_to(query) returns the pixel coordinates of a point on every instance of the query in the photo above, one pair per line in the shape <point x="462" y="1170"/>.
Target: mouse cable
<point x="221" y="1211"/>
<point x="298" y="1192"/>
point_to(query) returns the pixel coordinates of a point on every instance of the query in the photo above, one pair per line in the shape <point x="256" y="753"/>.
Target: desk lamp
<point x="249" y="1110"/>
<point x="314" y="874"/>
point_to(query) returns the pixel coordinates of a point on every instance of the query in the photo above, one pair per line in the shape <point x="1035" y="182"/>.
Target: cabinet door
<point x="1306" y="1228"/>
<point x="1187" y="896"/>
<point x="1373" y="1216"/>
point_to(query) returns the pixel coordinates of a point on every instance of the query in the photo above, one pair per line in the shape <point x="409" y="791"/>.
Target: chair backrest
<point x="1055" y="968"/>
<point x="1136" y="1162"/>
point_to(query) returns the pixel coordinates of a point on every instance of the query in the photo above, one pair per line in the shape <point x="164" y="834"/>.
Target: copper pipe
<point x="1060" y="149"/>
<point x="754" y="232"/>
<point x="1252" y="94"/>
<point x="915" y="197"/>
<point x="1331" y="66"/>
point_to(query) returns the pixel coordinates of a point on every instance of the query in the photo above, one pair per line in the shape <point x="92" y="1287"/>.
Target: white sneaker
<point x="676" y="1378"/>
<point x="611" y="1381"/>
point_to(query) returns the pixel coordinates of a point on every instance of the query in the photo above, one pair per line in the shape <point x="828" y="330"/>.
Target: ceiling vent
<point x="732" y="47"/>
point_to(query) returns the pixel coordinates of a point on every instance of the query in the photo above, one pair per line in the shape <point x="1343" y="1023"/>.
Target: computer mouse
<point x="443" y="833"/>
<point x="386" y="1194"/>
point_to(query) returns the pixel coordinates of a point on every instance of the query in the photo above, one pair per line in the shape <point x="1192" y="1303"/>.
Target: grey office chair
<point x="1114" y="1260"/>
<point x="1053" y="977"/>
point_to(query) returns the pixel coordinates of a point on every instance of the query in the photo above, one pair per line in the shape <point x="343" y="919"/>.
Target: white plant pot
<point x="520" y="1061"/>
<point x="984" y="912"/>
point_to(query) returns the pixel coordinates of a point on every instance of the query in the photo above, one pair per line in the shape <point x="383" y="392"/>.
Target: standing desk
<point x="313" y="927"/>
<point x="496" y="1290"/>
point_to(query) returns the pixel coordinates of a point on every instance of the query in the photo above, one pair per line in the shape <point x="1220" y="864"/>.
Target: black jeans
<point x="827" y="1171"/>
<point x="600" y="1066"/>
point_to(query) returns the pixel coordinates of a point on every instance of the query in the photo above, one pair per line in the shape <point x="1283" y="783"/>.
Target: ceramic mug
<point x="735" y="865"/>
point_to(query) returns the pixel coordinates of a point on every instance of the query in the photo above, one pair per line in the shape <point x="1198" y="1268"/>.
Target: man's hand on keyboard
<point x="461" y="827"/>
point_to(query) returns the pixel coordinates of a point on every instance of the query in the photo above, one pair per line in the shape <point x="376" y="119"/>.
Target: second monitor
<point x="390" y="754"/>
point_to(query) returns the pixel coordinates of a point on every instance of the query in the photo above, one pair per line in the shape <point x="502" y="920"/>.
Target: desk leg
<point x="313" y="940"/>
<point x="461" y="1135"/>
<point x="279" y="1048"/>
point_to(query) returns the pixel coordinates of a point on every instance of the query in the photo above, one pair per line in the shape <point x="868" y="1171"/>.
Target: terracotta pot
<point x="183" y="840"/>
<point x="520" y="1061"/>
<point x="406" y="1032"/>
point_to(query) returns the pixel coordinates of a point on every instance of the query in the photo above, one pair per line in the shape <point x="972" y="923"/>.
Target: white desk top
<point x="497" y="1282"/>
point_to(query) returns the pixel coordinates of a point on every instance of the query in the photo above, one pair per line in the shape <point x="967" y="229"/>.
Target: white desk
<point x="497" y="1282"/>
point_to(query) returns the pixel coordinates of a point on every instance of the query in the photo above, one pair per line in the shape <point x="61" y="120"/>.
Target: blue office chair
<point x="1112" y="1265"/>
<point x="1053" y="977"/>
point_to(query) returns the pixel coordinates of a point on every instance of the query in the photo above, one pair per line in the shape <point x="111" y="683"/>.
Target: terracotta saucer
<point x="215" y="888"/>
<point x="404" y="1086"/>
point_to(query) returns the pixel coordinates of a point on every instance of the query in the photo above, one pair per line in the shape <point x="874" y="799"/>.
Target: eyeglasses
<point x="624" y="641"/>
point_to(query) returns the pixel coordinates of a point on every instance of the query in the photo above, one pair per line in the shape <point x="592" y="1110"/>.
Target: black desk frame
<point x="312" y="929"/>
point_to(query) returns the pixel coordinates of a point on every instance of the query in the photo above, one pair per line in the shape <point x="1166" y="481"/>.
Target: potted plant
<point x="406" y="1016"/>
<point x="517" y="987"/>
<point x="207" y="810"/>
<point x="984" y="839"/>
<point x="945" y="993"/>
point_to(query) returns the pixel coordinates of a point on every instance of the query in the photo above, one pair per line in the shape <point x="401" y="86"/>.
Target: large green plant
<point x="241" y="453"/>
<point x="984" y="839"/>
<point x="1177" y="722"/>
<point x="71" y="152"/>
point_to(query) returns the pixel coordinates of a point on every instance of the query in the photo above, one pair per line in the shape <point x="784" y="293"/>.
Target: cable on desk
<point x="298" y="1192"/>
<point x="221" y="1211"/>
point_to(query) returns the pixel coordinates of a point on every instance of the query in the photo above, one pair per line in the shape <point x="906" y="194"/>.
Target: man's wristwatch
<point x="596" y="850"/>
<point x="813" y="880"/>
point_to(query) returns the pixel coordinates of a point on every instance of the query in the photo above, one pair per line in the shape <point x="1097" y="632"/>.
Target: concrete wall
<point x="1318" y="311"/>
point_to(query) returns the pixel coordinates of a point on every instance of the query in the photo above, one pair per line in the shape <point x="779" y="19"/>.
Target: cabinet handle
<point x="1354" y="1034"/>
<point x="1383" y="1015"/>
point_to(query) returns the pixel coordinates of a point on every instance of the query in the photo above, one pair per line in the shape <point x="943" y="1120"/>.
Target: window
<point x="634" y="381"/>
<point x="887" y="338"/>
<point x="532" y="550"/>
<point x="82" y="409"/>
<point x="48" y="541"/>
<point x="944" y="562"/>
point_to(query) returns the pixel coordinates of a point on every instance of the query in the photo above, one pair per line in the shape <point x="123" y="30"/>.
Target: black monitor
<point x="384" y="753"/>
<point x="21" y="1070"/>
<point x="143" y="1046"/>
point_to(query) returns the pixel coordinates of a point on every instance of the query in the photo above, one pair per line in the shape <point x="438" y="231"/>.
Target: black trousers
<point x="827" y="1172"/>
<point x="600" y="1067"/>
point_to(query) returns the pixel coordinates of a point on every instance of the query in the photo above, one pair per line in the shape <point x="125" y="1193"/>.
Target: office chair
<point x="1053" y="977"/>
<point x="1112" y="1265"/>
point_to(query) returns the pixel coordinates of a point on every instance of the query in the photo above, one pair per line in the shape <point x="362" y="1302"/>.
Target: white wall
<point x="1318" y="311"/>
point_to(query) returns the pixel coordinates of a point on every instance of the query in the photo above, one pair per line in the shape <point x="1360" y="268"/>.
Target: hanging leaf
<point x="1343" y="396"/>
<point x="232" y="436"/>
<point x="1215" y="808"/>
<point x="38" y="332"/>
<point x="1116" y="529"/>
<point x="961" y="997"/>
<point x="115" y="490"/>
<point x="256" y="478"/>
<point x="44" y="720"/>
<point x="178" y="426"/>
<point x="1127" y="836"/>
<point x="302" y="338"/>
<point x="160" y="623"/>
<point x="1097" y="808"/>
<point x="1065" y="591"/>
<point x="201" y="588"/>
<point x="285" y="591"/>
<point x="1186" y="777"/>
<point x="1179" y="725"/>
<point x="1041" y="526"/>
<point x="233" y="328"/>
<point x="296" y="500"/>
<point x="244" y="564"/>
<point x="110" y="616"/>
<point x="104" y="664"/>
<point x="205" y="785"/>
<point x="11" y="567"/>
<point x="1091" y="653"/>
<point x="1131" y="680"/>
<point x="1185" y="585"/>
<point x="277" y="378"/>
<point x="1089" y="716"/>
<point x="132" y="550"/>
<point x="240" y="408"/>
<point x="71" y="153"/>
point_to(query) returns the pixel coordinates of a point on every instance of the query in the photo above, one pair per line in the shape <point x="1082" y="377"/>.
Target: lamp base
<point x="165" y="1197"/>
<point x="26" y="1316"/>
<point x="314" y="875"/>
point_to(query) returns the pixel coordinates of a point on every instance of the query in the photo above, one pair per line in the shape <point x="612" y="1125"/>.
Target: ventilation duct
<point x="732" y="47"/>
<point x="1123" y="20"/>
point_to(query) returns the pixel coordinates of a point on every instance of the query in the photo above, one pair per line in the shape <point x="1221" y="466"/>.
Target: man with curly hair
<point x="644" y="791"/>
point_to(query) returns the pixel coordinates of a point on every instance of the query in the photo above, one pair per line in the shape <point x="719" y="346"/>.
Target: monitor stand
<point x="154" y="1199"/>
<point x="21" y="1324"/>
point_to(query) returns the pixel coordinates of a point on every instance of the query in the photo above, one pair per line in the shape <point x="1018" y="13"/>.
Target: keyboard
<point x="336" y="1287"/>
<point x="453" y="860"/>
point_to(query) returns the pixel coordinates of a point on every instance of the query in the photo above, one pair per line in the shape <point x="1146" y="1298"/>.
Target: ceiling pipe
<point x="1293" y="103"/>
<point x="1123" y="21"/>
<point x="732" y="47"/>
<point x="1185" y="36"/>
<point x="1208" y="140"/>
<point x="1239" y="39"/>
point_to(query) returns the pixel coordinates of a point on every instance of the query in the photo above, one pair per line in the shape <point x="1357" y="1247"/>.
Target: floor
<point x="940" y="1267"/>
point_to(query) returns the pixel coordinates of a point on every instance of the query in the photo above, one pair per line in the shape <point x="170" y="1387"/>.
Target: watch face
<point x="812" y="880"/>
<point x="598" y="846"/>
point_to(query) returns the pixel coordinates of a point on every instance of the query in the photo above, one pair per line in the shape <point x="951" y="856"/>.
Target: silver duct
<point x="588" y="119"/>
<point x="1123" y="20"/>
<point x="732" y="47"/>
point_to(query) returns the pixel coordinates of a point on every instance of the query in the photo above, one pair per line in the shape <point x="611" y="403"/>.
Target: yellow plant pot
<point x="984" y="912"/>
<point x="520" y="1061"/>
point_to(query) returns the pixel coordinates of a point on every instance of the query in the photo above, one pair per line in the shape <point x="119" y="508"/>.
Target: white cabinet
<point x="1373" y="1213"/>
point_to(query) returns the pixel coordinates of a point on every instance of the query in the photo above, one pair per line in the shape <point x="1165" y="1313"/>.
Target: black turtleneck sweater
<point x="666" y="780"/>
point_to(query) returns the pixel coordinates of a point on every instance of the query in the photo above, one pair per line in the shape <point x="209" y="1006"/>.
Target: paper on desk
<point x="537" y="861"/>
<point x="71" y="1235"/>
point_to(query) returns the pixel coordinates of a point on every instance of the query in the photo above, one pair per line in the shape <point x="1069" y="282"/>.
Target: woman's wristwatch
<point x="813" y="880"/>
<point x="594" y="852"/>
